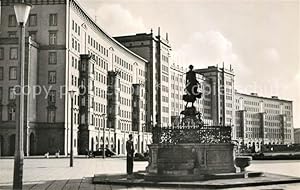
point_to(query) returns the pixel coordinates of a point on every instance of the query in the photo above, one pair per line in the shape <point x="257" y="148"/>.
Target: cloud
<point x="271" y="56"/>
<point x="117" y="20"/>
<point x="207" y="49"/>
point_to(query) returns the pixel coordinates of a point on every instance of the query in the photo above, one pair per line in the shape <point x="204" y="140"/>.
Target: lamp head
<point x="22" y="11"/>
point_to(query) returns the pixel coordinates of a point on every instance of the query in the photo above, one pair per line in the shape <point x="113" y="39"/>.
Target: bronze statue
<point x="190" y="114"/>
<point x="191" y="87"/>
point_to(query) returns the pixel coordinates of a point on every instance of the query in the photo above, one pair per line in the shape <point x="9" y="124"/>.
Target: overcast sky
<point x="259" y="38"/>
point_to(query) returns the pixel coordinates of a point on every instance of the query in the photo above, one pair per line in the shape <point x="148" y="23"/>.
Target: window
<point x="53" y="20"/>
<point x="13" y="53"/>
<point x="32" y="34"/>
<point x="52" y="38"/>
<point x="52" y="96"/>
<point x="12" y="34"/>
<point x="1" y="73"/>
<point x="52" y="58"/>
<point x="1" y="53"/>
<point x="52" y="77"/>
<point x="1" y="94"/>
<point x="12" y="21"/>
<point x="11" y="93"/>
<point x="51" y="115"/>
<point x="12" y="73"/>
<point x="11" y="113"/>
<point x="32" y="20"/>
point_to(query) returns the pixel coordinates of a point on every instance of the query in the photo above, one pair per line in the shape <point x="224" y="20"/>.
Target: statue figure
<point x="191" y="87"/>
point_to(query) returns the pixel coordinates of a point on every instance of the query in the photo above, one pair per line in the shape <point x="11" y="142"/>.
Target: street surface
<point x="41" y="173"/>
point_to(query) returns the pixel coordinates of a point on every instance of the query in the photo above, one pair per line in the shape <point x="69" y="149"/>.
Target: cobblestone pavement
<point x="56" y="174"/>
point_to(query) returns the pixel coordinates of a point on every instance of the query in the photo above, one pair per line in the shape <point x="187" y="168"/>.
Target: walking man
<point x="130" y="153"/>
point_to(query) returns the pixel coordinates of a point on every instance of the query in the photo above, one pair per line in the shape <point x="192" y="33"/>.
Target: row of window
<point x="11" y="113"/>
<point x="142" y="73"/>
<point x="252" y="122"/>
<point x="76" y="27"/>
<point x="76" y="45"/>
<point x="125" y="89"/>
<point x="125" y="114"/>
<point x="177" y="105"/>
<point x="13" y="53"/>
<point x="165" y="68"/>
<point x="32" y="20"/>
<point x="123" y="63"/>
<point x="165" y="99"/>
<point x="97" y="46"/>
<point x="125" y="76"/>
<point x="100" y="78"/>
<point x="165" y="109"/>
<point x="165" y="88"/>
<point x="176" y="78"/>
<point x="273" y="117"/>
<point x="99" y="60"/>
<point x="125" y="101"/>
<point x="176" y="87"/>
<point x="100" y="93"/>
<point x="228" y="97"/>
<point x="165" y="119"/>
<point x="100" y="107"/>
<point x="273" y="124"/>
<point x="251" y="109"/>
<point x="12" y="73"/>
<point x="272" y="111"/>
<point x="165" y="78"/>
<point x="74" y="81"/>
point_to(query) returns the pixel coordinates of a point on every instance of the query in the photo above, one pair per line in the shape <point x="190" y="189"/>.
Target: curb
<point x="190" y="185"/>
<point x="142" y="183"/>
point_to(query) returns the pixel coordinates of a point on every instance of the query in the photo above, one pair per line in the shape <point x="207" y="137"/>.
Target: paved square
<point x="55" y="174"/>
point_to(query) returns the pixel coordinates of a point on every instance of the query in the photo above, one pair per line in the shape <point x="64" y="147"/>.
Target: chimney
<point x="167" y="37"/>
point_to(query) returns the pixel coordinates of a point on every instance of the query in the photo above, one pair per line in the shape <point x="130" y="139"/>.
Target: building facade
<point x="8" y="79"/>
<point x="156" y="50"/>
<point x="75" y="54"/>
<point x="297" y="136"/>
<point x="263" y="121"/>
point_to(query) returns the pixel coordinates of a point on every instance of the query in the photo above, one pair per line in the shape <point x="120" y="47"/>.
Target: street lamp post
<point x="22" y="12"/>
<point x="71" y="92"/>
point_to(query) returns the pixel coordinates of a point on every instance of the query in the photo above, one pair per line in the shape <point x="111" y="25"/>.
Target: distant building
<point x="297" y="135"/>
<point x="262" y="120"/>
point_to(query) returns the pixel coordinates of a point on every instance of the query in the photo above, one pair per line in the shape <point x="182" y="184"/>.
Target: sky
<point x="259" y="38"/>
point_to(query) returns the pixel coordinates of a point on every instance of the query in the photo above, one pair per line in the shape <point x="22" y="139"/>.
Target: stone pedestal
<point x="191" y="161"/>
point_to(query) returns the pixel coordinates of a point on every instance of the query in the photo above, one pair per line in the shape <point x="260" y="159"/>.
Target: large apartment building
<point x="156" y="50"/>
<point x="72" y="53"/>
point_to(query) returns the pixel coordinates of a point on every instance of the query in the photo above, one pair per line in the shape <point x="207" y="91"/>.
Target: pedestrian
<point x="130" y="153"/>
